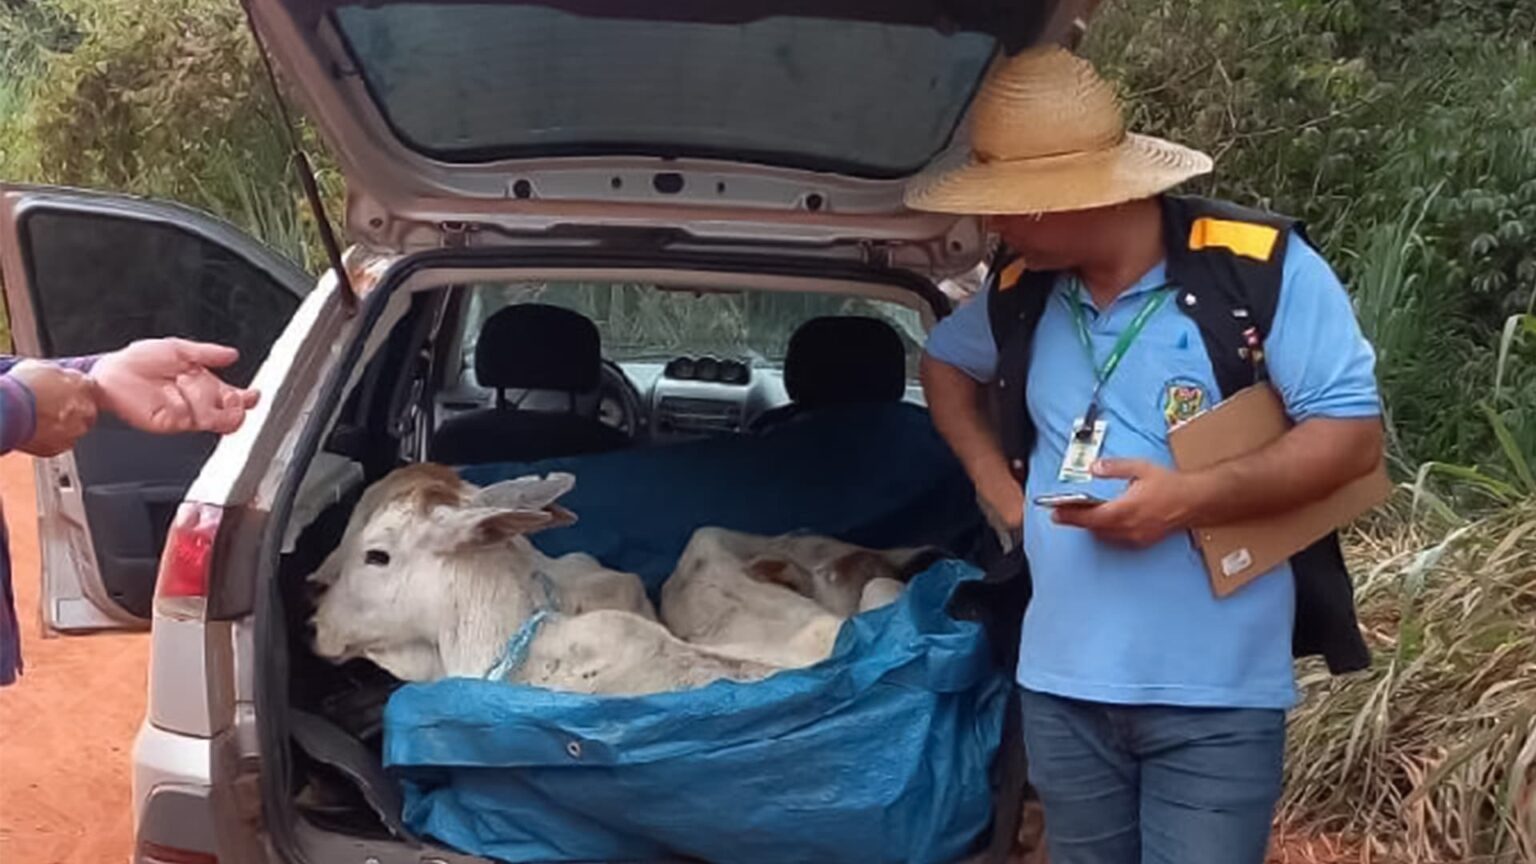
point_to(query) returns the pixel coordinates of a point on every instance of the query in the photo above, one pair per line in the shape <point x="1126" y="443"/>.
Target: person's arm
<point x="44" y="407"/>
<point x="1325" y="373"/>
<point x="164" y="386"/>
<point x="18" y="414"/>
<point x="954" y="402"/>
<point x="77" y="364"/>
<point x="19" y="403"/>
<point x="959" y="358"/>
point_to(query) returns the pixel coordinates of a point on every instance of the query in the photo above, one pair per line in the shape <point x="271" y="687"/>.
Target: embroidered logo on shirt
<point x="1183" y="398"/>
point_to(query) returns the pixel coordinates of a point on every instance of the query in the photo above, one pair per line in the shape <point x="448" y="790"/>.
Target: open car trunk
<point x="755" y="147"/>
<point x="873" y="474"/>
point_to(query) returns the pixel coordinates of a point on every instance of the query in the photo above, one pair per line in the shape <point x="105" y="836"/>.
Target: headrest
<point x="532" y="346"/>
<point x="837" y="361"/>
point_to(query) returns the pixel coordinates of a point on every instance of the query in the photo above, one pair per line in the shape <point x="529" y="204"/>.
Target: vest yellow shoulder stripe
<point x="1248" y="239"/>
<point x="1010" y="275"/>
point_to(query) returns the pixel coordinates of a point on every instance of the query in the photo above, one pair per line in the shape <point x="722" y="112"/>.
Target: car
<point x="728" y="172"/>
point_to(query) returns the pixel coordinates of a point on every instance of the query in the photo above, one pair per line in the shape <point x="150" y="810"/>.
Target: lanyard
<point x="1102" y="374"/>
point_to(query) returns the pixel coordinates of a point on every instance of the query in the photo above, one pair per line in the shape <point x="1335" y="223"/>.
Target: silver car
<point x="700" y="162"/>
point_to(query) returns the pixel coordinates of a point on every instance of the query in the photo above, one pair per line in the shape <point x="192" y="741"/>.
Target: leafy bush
<point x="163" y="98"/>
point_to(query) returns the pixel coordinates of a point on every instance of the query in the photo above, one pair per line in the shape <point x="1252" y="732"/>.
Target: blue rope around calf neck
<point x="515" y="654"/>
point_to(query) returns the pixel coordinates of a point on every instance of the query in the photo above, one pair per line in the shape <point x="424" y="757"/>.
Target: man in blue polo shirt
<point x="1154" y="712"/>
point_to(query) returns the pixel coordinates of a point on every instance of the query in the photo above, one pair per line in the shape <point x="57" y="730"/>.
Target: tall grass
<point x="1431" y="756"/>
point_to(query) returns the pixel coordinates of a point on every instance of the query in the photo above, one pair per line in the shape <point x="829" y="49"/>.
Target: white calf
<point x="781" y="600"/>
<point x="620" y="653"/>
<point x="433" y="575"/>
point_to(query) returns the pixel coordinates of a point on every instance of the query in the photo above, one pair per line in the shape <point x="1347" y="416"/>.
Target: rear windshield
<point x="478" y="82"/>
<point x="647" y="322"/>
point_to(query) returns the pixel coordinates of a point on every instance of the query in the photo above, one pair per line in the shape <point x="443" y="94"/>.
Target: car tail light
<point x="181" y="591"/>
<point x="154" y="853"/>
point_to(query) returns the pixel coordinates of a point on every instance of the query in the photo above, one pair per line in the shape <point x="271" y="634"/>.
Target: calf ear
<point x="458" y="529"/>
<point x="525" y="493"/>
<point x="780" y="571"/>
<point x="479" y="527"/>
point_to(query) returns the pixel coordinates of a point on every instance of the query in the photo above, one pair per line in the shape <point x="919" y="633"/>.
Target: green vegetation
<point x="162" y="98"/>
<point x="1404" y="131"/>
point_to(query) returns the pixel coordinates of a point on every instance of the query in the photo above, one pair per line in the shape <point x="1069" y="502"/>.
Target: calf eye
<point x="376" y="558"/>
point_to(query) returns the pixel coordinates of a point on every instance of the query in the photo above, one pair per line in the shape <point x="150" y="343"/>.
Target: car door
<point x="86" y="273"/>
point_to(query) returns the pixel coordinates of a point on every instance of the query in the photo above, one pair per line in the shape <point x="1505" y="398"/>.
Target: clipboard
<point x="1237" y="553"/>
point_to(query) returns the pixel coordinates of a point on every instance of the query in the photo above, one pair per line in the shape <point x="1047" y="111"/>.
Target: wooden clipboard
<point x="1237" y="553"/>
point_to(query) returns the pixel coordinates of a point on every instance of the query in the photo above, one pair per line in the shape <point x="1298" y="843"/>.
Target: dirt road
<point x="67" y="727"/>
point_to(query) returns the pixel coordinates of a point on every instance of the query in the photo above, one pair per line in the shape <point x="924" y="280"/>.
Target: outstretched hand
<point x="1158" y="502"/>
<point x="167" y="386"/>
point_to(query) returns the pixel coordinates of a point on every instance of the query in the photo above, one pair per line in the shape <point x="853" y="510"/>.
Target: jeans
<point x="1153" y="784"/>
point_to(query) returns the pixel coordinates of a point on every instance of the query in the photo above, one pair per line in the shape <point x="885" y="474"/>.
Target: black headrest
<point x="531" y="346"/>
<point x="836" y="361"/>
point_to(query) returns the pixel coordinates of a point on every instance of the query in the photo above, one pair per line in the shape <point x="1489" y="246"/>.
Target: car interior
<point x="792" y="395"/>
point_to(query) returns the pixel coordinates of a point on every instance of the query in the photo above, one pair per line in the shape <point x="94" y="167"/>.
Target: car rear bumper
<point x="173" y="794"/>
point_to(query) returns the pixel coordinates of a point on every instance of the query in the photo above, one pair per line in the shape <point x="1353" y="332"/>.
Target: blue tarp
<point x="881" y="753"/>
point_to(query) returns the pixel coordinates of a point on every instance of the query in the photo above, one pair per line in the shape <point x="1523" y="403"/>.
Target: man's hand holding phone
<point x="1157" y="502"/>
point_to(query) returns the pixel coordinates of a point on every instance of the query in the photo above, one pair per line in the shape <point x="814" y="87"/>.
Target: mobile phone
<point x="1068" y="499"/>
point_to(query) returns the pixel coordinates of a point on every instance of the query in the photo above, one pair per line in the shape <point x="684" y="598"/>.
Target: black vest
<point x="1226" y="265"/>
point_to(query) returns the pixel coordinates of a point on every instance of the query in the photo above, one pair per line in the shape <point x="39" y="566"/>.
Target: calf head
<point x="428" y="565"/>
<point x="834" y="573"/>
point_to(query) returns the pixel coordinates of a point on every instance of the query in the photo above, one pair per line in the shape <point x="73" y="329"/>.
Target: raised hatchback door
<point x="760" y="121"/>
<point x="85" y="274"/>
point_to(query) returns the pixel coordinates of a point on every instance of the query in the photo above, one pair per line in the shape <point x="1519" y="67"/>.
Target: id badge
<point x="1077" y="467"/>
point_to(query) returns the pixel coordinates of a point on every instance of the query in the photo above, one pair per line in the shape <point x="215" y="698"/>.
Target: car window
<point x="648" y="322"/>
<point x="174" y="283"/>
<point x="476" y="82"/>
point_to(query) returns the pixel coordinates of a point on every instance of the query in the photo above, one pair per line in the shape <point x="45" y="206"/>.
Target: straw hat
<point x="1047" y="135"/>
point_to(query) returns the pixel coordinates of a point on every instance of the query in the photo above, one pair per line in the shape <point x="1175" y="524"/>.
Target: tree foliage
<point x="161" y="98"/>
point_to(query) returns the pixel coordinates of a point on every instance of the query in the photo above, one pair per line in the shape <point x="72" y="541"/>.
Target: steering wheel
<point x="618" y="402"/>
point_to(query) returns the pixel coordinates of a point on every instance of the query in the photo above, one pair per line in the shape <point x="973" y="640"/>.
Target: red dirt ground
<point x="67" y="727"/>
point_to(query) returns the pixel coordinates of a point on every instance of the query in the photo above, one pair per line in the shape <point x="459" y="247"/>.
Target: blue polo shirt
<point x="1109" y="624"/>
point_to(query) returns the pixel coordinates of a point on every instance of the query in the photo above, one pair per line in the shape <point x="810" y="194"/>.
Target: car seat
<point x="839" y="360"/>
<point x="526" y="347"/>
